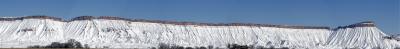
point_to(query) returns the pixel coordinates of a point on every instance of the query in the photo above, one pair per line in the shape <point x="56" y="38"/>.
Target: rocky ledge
<point x="361" y="24"/>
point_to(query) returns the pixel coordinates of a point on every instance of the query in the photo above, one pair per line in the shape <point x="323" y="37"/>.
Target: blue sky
<point x="331" y="13"/>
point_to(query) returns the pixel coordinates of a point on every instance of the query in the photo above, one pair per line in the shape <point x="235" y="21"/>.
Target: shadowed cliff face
<point x="114" y="32"/>
<point x="360" y="24"/>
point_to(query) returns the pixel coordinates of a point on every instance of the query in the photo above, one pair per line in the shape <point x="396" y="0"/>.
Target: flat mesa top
<point x="361" y="24"/>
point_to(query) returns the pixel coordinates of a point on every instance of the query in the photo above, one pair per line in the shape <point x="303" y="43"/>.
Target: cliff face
<point x="117" y="32"/>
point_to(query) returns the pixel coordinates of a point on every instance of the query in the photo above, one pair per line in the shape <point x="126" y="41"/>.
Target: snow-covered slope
<point x="363" y="34"/>
<point x="116" y="32"/>
<point x="397" y="37"/>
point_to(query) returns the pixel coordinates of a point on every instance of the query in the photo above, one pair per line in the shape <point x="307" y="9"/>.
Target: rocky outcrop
<point x="360" y="24"/>
<point x="31" y="17"/>
<point x="10" y="19"/>
<point x="42" y="17"/>
<point x="83" y="18"/>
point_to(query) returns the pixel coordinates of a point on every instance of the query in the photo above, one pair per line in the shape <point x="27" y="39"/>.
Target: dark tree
<point x="72" y="43"/>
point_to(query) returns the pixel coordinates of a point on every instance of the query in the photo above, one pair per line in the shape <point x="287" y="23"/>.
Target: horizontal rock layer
<point x="164" y="22"/>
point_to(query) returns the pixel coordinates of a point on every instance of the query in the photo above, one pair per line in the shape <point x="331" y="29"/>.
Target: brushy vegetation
<point x="229" y="46"/>
<point x="171" y="46"/>
<point x="70" y="44"/>
<point x="75" y="44"/>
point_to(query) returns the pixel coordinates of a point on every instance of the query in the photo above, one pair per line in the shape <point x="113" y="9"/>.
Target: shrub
<point x="70" y="44"/>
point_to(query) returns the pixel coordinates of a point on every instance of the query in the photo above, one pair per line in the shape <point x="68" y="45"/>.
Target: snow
<point x="98" y="33"/>
<point x="365" y="37"/>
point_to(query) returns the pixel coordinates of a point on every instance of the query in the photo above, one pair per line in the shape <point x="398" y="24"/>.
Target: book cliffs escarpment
<point x="114" y="32"/>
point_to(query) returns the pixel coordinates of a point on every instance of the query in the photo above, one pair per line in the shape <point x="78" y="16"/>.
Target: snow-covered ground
<point x="98" y="33"/>
<point x="397" y="37"/>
